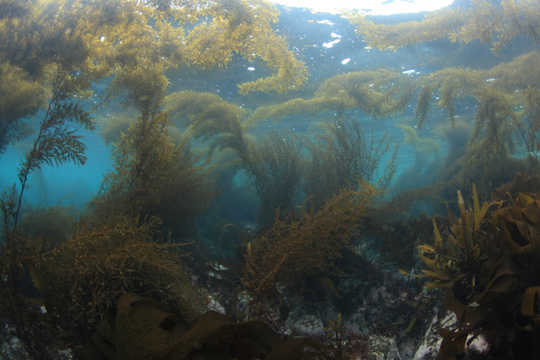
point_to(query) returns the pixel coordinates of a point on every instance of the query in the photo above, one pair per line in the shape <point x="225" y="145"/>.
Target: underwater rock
<point x="215" y="305"/>
<point x="11" y="347"/>
<point x="143" y="331"/>
<point x="309" y="325"/>
<point x="407" y="348"/>
<point x="383" y="348"/>
<point x="429" y="349"/>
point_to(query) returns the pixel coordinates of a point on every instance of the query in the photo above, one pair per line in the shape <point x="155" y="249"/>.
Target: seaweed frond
<point x="295" y="255"/>
<point x="340" y="154"/>
<point x="487" y="260"/>
<point x="56" y="142"/>
<point x="493" y="24"/>
<point x="423" y="104"/>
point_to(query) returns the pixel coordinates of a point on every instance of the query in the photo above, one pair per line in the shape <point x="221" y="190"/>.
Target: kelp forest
<point x="265" y="194"/>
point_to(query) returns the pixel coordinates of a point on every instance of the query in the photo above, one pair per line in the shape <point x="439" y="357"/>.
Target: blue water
<point x="67" y="184"/>
<point x="327" y="44"/>
<point x="376" y="297"/>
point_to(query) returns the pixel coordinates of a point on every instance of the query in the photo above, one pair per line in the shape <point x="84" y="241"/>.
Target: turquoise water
<point x="67" y="185"/>
<point x="326" y="43"/>
<point x="274" y="165"/>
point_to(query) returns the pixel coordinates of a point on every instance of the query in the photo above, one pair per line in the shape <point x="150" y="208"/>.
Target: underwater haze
<point x="219" y="179"/>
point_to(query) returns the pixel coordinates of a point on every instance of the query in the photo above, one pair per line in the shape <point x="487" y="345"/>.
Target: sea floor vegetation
<point x="377" y="213"/>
